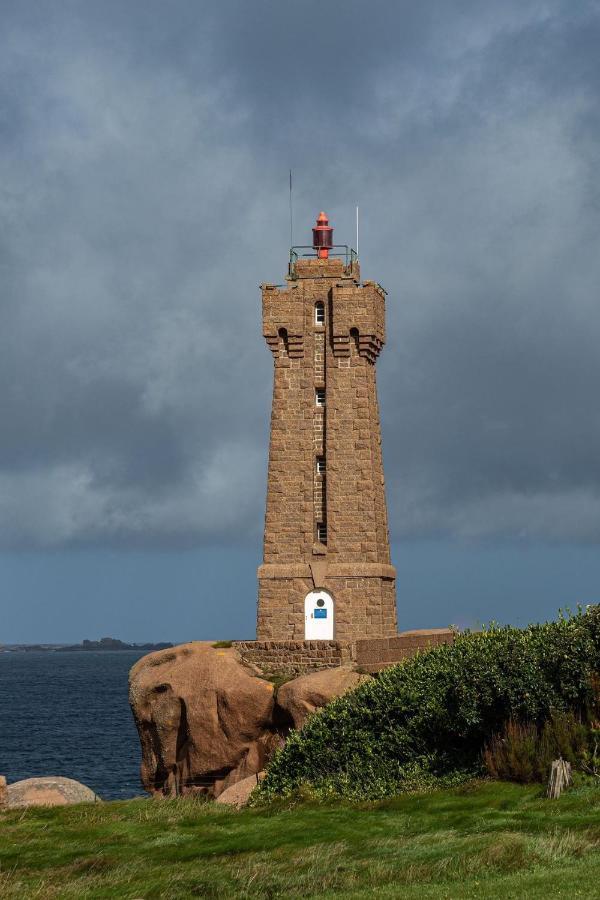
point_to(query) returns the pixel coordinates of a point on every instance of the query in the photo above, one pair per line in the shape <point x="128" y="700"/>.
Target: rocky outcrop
<point x="49" y="791"/>
<point x="204" y="719"/>
<point x="239" y="794"/>
<point x="207" y="721"/>
<point x="299" y="698"/>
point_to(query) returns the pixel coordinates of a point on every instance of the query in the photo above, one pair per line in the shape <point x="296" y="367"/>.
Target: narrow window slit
<point x="284" y="345"/>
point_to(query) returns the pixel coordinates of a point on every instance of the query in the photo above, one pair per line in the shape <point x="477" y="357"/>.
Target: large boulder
<point x="204" y="719"/>
<point x="239" y="794"/>
<point x="299" y="698"/>
<point x="49" y="791"/>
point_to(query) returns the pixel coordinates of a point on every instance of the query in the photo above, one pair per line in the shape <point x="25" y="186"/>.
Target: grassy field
<point x="483" y="840"/>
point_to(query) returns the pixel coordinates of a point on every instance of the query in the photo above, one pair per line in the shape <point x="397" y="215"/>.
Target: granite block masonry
<point x="326" y="572"/>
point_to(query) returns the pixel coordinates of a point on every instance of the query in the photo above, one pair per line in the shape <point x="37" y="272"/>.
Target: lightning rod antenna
<point x="357" y="231"/>
<point x="291" y="214"/>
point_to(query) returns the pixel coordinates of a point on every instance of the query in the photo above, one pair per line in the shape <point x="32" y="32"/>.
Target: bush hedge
<point x="426" y="720"/>
<point x="524" y="752"/>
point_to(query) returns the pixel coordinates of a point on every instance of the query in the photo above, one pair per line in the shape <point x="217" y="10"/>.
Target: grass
<point x="482" y="840"/>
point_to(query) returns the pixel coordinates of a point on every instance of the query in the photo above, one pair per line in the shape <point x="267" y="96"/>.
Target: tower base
<point x="364" y="600"/>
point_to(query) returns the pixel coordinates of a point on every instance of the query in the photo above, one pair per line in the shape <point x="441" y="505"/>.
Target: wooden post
<point x="560" y="778"/>
<point x="3" y="793"/>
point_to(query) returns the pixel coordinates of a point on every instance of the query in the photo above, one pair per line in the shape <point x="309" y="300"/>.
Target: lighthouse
<point x="326" y="572"/>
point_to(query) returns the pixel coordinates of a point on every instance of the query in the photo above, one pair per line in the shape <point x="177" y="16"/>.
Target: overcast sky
<point x="144" y="157"/>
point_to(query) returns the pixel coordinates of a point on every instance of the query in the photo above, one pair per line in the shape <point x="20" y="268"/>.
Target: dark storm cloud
<point x="143" y="162"/>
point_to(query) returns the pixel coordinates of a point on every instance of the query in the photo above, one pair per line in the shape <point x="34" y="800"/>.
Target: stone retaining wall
<point x="295" y="657"/>
<point x="370" y="655"/>
<point x="376" y="654"/>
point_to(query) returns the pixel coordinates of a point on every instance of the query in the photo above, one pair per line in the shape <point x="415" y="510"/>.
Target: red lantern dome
<point x="322" y="236"/>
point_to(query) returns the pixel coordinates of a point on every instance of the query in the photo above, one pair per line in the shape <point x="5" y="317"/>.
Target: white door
<point x="318" y="616"/>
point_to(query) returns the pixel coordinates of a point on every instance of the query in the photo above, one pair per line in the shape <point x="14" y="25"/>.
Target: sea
<point x="66" y="713"/>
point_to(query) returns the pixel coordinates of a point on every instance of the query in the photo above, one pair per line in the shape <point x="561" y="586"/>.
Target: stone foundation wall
<point x="371" y="655"/>
<point x="295" y="657"/>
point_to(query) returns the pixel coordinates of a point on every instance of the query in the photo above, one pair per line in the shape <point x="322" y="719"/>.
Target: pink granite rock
<point x="239" y="794"/>
<point x="299" y="698"/>
<point x="204" y="719"/>
<point x="49" y="791"/>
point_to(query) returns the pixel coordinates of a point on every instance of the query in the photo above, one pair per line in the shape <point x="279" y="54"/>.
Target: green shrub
<point x="511" y="755"/>
<point x="431" y="716"/>
<point x="523" y="752"/>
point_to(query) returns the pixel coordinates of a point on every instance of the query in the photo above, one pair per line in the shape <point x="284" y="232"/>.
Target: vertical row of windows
<point x="321" y="526"/>
<point x="320" y="401"/>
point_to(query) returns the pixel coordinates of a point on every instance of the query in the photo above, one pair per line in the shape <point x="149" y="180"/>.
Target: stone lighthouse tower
<point x="326" y="571"/>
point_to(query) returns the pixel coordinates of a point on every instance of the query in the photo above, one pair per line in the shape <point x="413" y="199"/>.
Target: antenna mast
<point x="291" y="214"/>
<point x="357" y="231"/>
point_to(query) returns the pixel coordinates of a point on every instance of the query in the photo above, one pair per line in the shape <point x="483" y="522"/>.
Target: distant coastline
<point x="104" y="644"/>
